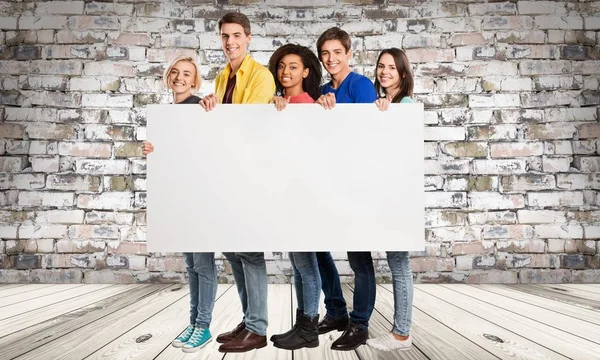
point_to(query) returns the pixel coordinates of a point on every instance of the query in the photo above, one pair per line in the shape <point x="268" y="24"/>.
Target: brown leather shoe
<point x="228" y="336"/>
<point x="245" y="341"/>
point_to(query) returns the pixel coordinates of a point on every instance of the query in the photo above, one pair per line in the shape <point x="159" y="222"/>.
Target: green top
<point x="406" y="100"/>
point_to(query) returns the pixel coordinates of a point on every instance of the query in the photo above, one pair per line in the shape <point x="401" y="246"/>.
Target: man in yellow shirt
<point x="243" y="81"/>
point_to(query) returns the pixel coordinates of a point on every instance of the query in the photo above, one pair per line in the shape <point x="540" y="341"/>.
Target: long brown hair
<point x="407" y="82"/>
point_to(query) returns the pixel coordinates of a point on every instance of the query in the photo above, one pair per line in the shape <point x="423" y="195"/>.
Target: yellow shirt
<point x="254" y="83"/>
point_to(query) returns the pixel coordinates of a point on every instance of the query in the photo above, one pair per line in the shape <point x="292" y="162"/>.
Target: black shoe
<point x="281" y="336"/>
<point x="305" y="335"/>
<point x="329" y="324"/>
<point x="353" y="337"/>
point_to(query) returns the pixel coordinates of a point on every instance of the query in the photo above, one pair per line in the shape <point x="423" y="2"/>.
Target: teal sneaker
<point x="199" y="338"/>
<point x="184" y="337"/>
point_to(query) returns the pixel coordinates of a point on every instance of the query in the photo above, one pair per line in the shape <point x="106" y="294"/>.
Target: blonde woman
<point x="183" y="79"/>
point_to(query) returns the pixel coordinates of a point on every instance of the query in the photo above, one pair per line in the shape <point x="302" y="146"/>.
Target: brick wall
<point x="511" y="91"/>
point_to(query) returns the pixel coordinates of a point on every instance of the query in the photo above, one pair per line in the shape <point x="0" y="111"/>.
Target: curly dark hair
<point x="312" y="83"/>
<point x="406" y="78"/>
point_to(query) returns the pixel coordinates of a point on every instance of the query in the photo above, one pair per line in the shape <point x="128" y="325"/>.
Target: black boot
<point x="281" y="336"/>
<point x="329" y="324"/>
<point x="354" y="336"/>
<point x="305" y="335"/>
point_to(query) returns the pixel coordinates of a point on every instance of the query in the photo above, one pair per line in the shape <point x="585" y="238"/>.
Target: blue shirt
<point x="355" y="88"/>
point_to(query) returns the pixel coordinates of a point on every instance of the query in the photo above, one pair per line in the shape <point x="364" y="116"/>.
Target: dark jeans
<point x="330" y="283"/>
<point x="364" y="287"/>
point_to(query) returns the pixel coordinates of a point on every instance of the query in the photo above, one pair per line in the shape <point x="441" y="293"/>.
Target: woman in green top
<point x="394" y="84"/>
<point x="393" y="81"/>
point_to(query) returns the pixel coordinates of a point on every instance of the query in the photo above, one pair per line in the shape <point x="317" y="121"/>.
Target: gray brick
<point x="544" y="276"/>
<point x="60" y="276"/>
<point x="24" y="261"/>
<point x="573" y="262"/>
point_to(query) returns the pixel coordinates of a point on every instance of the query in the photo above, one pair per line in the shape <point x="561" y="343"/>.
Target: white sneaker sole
<point x="384" y="348"/>
<point x="194" y="349"/>
<point x="177" y="344"/>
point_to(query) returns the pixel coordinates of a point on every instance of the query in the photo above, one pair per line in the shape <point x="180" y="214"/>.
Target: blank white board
<point x="250" y="178"/>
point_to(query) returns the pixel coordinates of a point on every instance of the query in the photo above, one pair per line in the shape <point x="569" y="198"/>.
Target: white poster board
<point x="250" y="178"/>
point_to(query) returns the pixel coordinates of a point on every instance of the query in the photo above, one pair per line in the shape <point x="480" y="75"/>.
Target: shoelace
<point x="188" y="332"/>
<point x="196" y="335"/>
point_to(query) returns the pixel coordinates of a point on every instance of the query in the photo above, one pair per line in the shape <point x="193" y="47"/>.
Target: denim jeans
<point x="364" y="287"/>
<point x="307" y="282"/>
<point x="250" y="274"/>
<point x="202" y="278"/>
<point x="330" y="283"/>
<point x="399" y="263"/>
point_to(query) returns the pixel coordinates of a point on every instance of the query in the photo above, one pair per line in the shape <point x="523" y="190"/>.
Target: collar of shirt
<point x="243" y="67"/>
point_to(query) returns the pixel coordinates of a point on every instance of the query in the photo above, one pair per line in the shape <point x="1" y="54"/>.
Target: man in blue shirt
<point x="333" y="49"/>
<point x="346" y="86"/>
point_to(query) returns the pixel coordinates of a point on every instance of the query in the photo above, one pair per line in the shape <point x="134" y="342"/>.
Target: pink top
<point x="303" y="98"/>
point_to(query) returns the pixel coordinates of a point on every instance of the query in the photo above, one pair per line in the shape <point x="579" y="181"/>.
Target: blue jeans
<point x="330" y="282"/>
<point x="399" y="263"/>
<point x="364" y="287"/>
<point x="307" y="282"/>
<point x="202" y="278"/>
<point x="250" y="274"/>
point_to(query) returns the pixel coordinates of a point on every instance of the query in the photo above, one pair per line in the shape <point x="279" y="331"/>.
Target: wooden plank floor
<point x="450" y="321"/>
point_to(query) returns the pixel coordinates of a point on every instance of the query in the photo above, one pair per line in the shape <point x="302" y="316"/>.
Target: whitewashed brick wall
<point x="511" y="91"/>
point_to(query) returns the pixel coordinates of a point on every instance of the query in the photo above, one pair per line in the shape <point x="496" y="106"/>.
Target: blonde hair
<point x="197" y="77"/>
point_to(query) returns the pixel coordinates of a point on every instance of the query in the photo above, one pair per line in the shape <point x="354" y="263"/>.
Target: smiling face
<point x="181" y="78"/>
<point x="234" y="41"/>
<point x="334" y="57"/>
<point x="290" y="73"/>
<point x="387" y="73"/>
